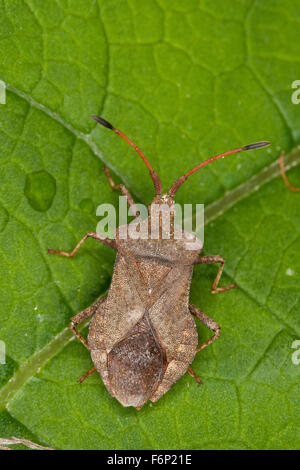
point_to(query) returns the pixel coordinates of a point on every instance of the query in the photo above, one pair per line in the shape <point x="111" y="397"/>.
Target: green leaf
<point x="184" y="80"/>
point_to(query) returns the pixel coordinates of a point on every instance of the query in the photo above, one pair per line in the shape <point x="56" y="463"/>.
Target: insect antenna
<point x="154" y="176"/>
<point x="175" y="186"/>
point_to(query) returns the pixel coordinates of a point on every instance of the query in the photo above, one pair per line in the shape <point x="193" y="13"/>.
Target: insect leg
<point x="284" y="177"/>
<point x="194" y="375"/>
<point x="87" y="374"/>
<point x="81" y="316"/>
<point x="207" y="321"/>
<point x="119" y="187"/>
<point x="95" y="235"/>
<point x="216" y="259"/>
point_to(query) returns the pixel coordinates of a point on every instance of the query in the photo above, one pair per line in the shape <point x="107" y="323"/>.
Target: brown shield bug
<point x="142" y="337"/>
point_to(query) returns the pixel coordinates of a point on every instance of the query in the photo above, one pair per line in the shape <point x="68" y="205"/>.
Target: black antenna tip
<point x="256" y="145"/>
<point x="102" y="121"/>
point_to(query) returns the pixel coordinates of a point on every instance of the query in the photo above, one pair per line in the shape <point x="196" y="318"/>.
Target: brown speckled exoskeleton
<point x="142" y="337"/>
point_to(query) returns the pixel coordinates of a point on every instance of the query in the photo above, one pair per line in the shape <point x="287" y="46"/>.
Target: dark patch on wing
<point x="136" y="365"/>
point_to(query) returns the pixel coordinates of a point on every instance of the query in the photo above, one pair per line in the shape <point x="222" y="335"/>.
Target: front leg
<point x="211" y="259"/>
<point x="119" y="187"/>
<point x="95" y="235"/>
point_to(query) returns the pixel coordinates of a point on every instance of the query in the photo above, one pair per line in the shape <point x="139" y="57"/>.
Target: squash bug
<point x="142" y="336"/>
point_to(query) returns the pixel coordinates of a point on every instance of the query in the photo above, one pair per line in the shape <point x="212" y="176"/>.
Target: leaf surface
<point x="184" y="80"/>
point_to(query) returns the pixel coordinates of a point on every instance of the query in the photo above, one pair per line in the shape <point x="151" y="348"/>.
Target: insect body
<point x="142" y="336"/>
<point x="145" y="338"/>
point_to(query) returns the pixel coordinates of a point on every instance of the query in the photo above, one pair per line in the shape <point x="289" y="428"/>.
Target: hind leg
<point x="194" y="375"/>
<point x="81" y="316"/>
<point x="207" y="321"/>
<point x="284" y="177"/>
<point x="87" y="374"/>
<point x="212" y="325"/>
